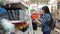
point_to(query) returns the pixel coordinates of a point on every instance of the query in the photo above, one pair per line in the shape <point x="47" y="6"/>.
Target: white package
<point x="6" y="24"/>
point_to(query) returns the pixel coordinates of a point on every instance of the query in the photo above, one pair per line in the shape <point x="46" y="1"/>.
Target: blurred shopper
<point x="34" y="24"/>
<point x="46" y="20"/>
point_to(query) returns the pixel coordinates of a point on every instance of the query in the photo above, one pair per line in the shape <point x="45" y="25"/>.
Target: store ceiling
<point x="34" y="1"/>
<point x="43" y="0"/>
<point x="39" y="0"/>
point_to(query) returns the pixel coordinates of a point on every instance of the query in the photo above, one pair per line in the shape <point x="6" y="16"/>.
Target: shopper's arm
<point x="38" y="21"/>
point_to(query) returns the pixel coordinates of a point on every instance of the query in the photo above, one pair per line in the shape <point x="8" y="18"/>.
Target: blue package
<point x="2" y="11"/>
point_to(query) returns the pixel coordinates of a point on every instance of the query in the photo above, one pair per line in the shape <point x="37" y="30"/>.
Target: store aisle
<point x="38" y="31"/>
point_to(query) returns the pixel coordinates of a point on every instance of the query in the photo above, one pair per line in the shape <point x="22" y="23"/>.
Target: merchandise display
<point x="7" y="25"/>
<point x="17" y="11"/>
<point x="2" y="11"/>
<point x="23" y="26"/>
<point x="21" y="14"/>
<point x="13" y="14"/>
<point x="16" y="14"/>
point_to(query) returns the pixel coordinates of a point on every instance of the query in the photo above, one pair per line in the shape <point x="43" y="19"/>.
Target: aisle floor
<point x="40" y="32"/>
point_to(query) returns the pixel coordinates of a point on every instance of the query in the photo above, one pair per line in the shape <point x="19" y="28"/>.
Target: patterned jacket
<point x="46" y="22"/>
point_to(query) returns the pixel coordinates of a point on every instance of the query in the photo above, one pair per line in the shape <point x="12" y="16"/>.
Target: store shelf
<point x="19" y="21"/>
<point x="16" y="4"/>
<point x="58" y="18"/>
<point x="11" y="8"/>
<point x="15" y="21"/>
<point x="58" y="0"/>
<point x="58" y="30"/>
<point x="11" y="5"/>
<point x="24" y="4"/>
<point x="58" y="25"/>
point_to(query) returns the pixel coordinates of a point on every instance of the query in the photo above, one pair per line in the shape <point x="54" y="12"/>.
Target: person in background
<point x="46" y="20"/>
<point x="34" y="24"/>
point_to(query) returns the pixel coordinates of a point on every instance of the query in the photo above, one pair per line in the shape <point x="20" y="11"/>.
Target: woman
<point x="46" y="20"/>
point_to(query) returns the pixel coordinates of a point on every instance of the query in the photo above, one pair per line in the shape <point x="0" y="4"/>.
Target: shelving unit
<point x="14" y="1"/>
<point x="20" y="5"/>
<point x="58" y="18"/>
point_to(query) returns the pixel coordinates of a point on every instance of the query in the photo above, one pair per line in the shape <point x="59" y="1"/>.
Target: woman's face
<point x="43" y="12"/>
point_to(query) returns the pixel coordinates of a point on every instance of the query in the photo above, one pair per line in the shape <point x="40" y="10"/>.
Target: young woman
<point x="46" y="20"/>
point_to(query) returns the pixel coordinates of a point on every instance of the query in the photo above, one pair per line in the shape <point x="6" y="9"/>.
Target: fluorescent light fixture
<point x="52" y="1"/>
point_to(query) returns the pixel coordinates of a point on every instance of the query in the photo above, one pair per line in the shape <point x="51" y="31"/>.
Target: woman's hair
<point x="46" y="9"/>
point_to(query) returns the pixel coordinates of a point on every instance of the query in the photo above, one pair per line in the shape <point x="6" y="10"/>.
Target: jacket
<point x="46" y="22"/>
